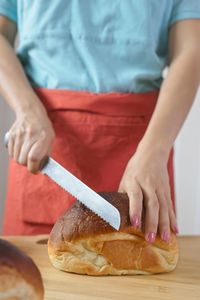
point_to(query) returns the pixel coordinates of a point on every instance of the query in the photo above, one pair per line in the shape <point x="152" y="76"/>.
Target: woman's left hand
<point x="146" y="182"/>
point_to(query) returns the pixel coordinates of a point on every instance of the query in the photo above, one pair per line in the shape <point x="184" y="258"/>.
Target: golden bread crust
<point x="19" y="276"/>
<point x="81" y="242"/>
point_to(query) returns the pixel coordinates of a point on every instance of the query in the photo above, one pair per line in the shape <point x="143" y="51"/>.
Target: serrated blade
<point x="82" y="192"/>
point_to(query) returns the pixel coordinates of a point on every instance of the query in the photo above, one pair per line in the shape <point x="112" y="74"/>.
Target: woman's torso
<point x="94" y="45"/>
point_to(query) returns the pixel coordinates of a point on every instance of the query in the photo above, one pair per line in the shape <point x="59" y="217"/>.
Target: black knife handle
<point x="44" y="162"/>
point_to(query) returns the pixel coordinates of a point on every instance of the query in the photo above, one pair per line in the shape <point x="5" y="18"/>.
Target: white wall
<point x="187" y="168"/>
<point x="187" y="171"/>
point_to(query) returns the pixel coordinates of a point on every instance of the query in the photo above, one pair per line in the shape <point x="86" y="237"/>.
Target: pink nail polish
<point x="175" y="229"/>
<point x="165" y="236"/>
<point x="135" y="221"/>
<point x="150" y="237"/>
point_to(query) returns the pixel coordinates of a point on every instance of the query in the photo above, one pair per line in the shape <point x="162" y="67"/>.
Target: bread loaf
<point x="20" y="279"/>
<point x="81" y="242"/>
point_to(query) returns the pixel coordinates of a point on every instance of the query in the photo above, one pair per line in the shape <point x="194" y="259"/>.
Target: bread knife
<point x="79" y="190"/>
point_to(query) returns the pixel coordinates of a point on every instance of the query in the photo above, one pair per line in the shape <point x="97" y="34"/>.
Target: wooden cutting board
<point x="183" y="283"/>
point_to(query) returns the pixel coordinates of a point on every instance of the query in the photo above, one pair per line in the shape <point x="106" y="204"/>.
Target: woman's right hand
<point x="31" y="138"/>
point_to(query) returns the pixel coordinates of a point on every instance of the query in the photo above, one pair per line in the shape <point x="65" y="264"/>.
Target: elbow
<point x="189" y="60"/>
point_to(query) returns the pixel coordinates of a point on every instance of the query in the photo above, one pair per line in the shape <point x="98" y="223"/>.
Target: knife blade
<point x="79" y="190"/>
<point x="82" y="192"/>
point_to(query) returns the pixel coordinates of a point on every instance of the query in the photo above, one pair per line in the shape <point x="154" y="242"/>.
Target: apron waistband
<point x="114" y="104"/>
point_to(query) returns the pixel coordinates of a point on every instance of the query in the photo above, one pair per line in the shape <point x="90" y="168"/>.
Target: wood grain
<point x="183" y="283"/>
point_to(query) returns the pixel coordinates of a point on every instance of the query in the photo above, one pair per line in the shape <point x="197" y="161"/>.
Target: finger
<point x="163" y="223"/>
<point x="36" y="154"/>
<point x="151" y="215"/>
<point x="10" y="145"/>
<point x="135" y="204"/>
<point x="173" y="221"/>
<point x="18" y="141"/>
<point x="25" y="149"/>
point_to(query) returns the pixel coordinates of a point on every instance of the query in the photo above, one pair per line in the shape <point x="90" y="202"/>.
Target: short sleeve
<point x="8" y="8"/>
<point x="185" y="9"/>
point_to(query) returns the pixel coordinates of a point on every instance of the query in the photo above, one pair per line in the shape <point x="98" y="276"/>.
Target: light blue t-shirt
<point x="96" y="45"/>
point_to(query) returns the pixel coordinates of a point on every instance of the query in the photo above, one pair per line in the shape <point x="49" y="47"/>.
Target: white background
<point x="187" y="169"/>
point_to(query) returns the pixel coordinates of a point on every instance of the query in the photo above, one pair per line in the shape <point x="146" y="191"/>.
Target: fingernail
<point x="135" y="221"/>
<point x="165" y="236"/>
<point x="150" y="237"/>
<point x="175" y="229"/>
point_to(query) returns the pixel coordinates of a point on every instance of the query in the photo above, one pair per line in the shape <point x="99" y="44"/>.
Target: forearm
<point x="31" y="136"/>
<point x="146" y="179"/>
<point x="175" y="100"/>
<point x="14" y="86"/>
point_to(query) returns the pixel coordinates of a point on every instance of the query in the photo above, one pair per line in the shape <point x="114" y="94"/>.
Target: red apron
<point x="96" y="135"/>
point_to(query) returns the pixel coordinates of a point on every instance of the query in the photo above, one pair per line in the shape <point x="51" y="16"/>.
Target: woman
<point x="84" y="84"/>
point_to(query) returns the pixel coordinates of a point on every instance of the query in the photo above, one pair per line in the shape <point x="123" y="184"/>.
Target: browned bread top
<point x="14" y="259"/>
<point x="79" y="223"/>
